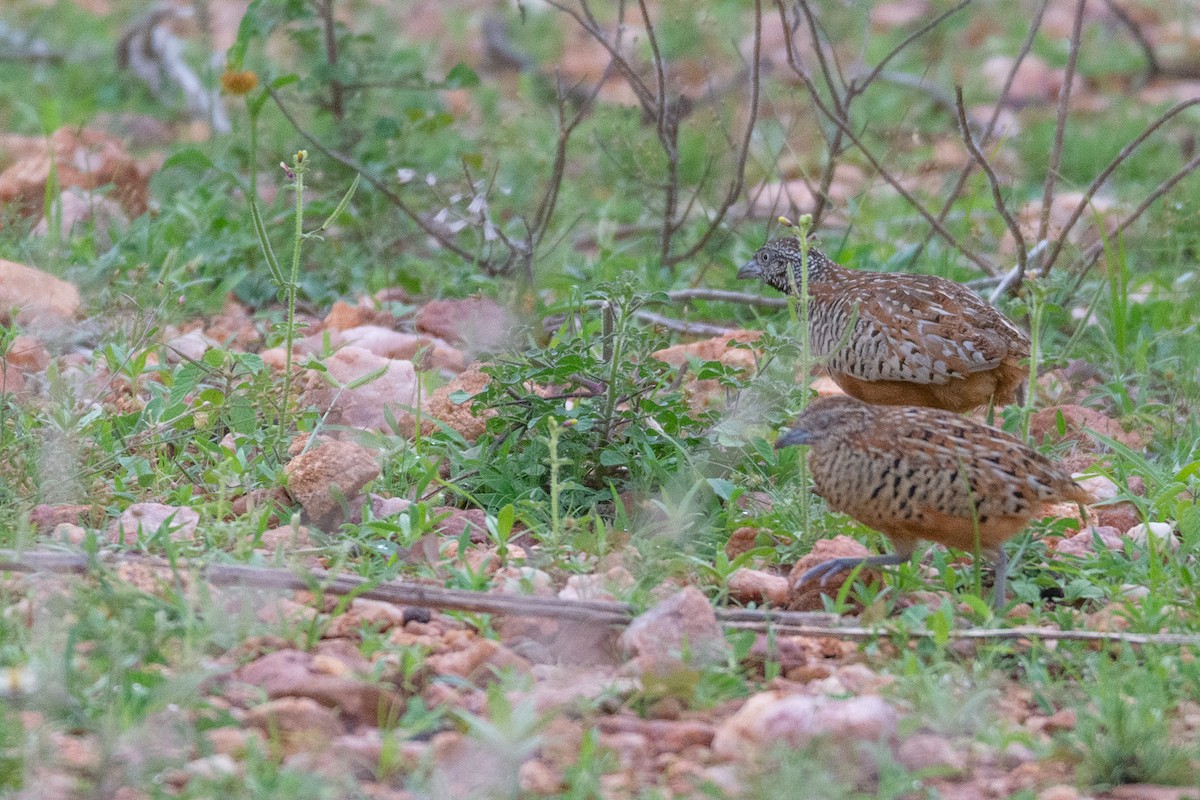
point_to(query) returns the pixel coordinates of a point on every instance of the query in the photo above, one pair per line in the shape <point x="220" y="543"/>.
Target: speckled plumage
<point x="923" y="473"/>
<point x="916" y="339"/>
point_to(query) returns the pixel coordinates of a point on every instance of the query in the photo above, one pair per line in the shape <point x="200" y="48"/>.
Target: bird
<point x="916" y="473"/>
<point x="900" y="338"/>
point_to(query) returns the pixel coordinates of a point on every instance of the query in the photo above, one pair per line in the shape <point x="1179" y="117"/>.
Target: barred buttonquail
<point x="916" y="339"/>
<point x="923" y="473"/>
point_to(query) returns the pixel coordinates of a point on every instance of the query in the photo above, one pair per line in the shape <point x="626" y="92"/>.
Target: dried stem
<point x="1060" y="125"/>
<point x="597" y="612"/>
<point x="1034" y="26"/>
<point x="993" y="181"/>
<point x="1099" y="180"/>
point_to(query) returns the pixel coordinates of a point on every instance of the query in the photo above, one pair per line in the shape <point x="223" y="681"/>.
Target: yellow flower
<point x="239" y="81"/>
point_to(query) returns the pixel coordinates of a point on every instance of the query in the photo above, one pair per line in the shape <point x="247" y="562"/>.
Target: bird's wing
<point x="935" y="330"/>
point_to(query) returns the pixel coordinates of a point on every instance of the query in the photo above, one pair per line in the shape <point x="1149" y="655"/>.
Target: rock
<point x="476" y="324"/>
<point x="76" y="207"/>
<point x="1162" y="532"/>
<point x="1035" y="82"/>
<point x="68" y="533"/>
<point x="384" y="507"/>
<point x="41" y="300"/>
<point x="662" y="735"/>
<point x="327" y="481"/>
<point x="1061" y="721"/>
<point x="301" y="722"/>
<point x="459" y="415"/>
<point x="1083" y="543"/>
<point x="142" y="520"/>
<point x="1100" y="487"/>
<point x="741" y="541"/>
<point x="292" y="673"/>
<point x="705" y="393"/>
<point x="536" y="777"/>
<point x="372" y="406"/>
<point x="772" y="718"/>
<point x="27" y="354"/>
<point x="46" y="517"/>
<point x="684" y="622"/>
<point x="757" y="586"/>
<point x="188" y="347"/>
<point x="1122" y="516"/>
<point x="927" y="751"/>
<point x="84" y="159"/>
<point x="385" y="342"/>
<point x="1014" y="754"/>
<point x="888" y="16"/>
<point x="1043" y="426"/>
<point x="1059" y="792"/>
<point x="478" y="662"/>
<point x="287" y="538"/>
<point x="524" y="580"/>
<point x="454" y="522"/>
<point x="12" y="382"/>
<point x="1147" y="791"/>
<point x="807" y="596"/>
<point x="598" y="587"/>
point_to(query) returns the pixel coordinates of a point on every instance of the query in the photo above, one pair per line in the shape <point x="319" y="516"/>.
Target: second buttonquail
<point x="900" y="338"/>
<point x="922" y="473"/>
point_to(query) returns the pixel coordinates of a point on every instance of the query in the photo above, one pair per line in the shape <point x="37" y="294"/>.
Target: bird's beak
<point x="795" y="436"/>
<point x="750" y="270"/>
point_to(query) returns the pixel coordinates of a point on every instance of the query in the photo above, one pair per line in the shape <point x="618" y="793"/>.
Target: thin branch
<point x="725" y="296"/>
<point x="969" y="167"/>
<point x="997" y="197"/>
<point x="375" y="182"/>
<point x="859" y="88"/>
<point x="1093" y="253"/>
<point x="599" y="612"/>
<point x="950" y="238"/>
<point x="1060" y="125"/>
<point x="682" y="326"/>
<point x="739" y="173"/>
<point x="1153" y="66"/>
<point x="1099" y="180"/>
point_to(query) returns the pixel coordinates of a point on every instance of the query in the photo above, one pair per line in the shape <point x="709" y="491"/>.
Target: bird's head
<point x="826" y="418"/>
<point x="777" y="264"/>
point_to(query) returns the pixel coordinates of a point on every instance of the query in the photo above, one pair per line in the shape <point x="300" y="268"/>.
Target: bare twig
<point x="1099" y="180"/>
<point x="379" y="186"/>
<point x="860" y="87"/>
<point x="725" y="296"/>
<point x="968" y="168"/>
<point x="1153" y="66"/>
<point x="599" y="612"/>
<point x="337" y="100"/>
<point x="1060" y="125"/>
<point x="997" y="197"/>
<point x="682" y="326"/>
<point x="1090" y="256"/>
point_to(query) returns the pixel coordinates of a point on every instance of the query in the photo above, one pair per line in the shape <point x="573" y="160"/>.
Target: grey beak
<point x="749" y="270"/>
<point x="795" y="436"/>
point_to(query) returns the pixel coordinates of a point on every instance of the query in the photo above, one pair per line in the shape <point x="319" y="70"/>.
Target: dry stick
<point x="844" y="125"/>
<point x="726" y="296"/>
<point x="1153" y="67"/>
<point x="682" y="326"/>
<point x="1090" y="256"/>
<point x="1026" y="46"/>
<point x="379" y="185"/>
<point x="797" y="623"/>
<point x="1060" y="125"/>
<point x="993" y="181"/>
<point x="1099" y="180"/>
<point x="739" y="174"/>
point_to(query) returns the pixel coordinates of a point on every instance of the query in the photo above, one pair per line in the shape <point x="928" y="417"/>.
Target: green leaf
<point x="189" y="158"/>
<point x="341" y="206"/>
<point x="461" y="77"/>
<point x="722" y="488"/>
<point x="265" y="243"/>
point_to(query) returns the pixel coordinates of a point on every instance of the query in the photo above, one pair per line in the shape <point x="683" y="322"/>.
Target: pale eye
<point x="762" y="257"/>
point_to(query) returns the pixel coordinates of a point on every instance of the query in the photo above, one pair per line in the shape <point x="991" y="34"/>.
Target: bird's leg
<point x="998" y="589"/>
<point x="823" y="571"/>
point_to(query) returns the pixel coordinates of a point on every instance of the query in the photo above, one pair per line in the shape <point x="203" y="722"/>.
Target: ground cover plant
<point x="381" y="415"/>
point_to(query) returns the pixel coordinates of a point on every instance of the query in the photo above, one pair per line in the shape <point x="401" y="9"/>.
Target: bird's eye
<point x="761" y="257"/>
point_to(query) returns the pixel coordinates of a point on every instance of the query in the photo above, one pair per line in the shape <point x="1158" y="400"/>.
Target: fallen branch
<point x="726" y="296"/>
<point x="600" y="612"/>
